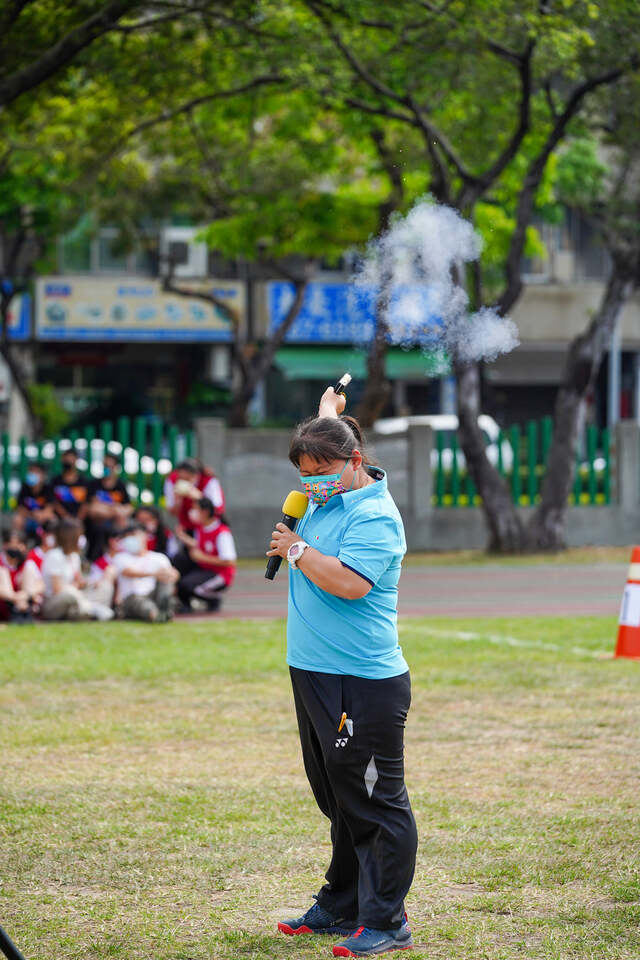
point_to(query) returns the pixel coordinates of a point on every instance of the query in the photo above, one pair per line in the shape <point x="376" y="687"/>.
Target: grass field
<point x="153" y="803"/>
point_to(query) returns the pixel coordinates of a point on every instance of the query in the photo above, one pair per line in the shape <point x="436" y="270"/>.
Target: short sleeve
<point x="226" y="546"/>
<point x="213" y="491"/>
<point x="121" y="561"/>
<point x="54" y="563"/>
<point x="370" y="545"/>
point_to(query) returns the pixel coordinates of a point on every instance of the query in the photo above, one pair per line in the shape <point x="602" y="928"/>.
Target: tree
<point x="499" y="94"/>
<point x="610" y="197"/>
<point x="39" y="42"/>
<point x="90" y="82"/>
<point x="283" y="183"/>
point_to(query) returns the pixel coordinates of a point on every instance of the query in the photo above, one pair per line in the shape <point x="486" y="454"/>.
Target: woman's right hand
<point x="331" y="404"/>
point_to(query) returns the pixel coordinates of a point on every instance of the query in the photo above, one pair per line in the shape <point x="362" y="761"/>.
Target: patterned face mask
<point x="321" y="488"/>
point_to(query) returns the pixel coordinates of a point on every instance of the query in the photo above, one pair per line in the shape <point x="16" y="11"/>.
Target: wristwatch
<point x="295" y="551"/>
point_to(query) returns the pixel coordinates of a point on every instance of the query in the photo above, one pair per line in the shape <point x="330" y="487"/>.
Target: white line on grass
<point x="503" y="640"/>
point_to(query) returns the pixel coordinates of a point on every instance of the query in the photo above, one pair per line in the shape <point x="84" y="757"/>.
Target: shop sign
<point x="345" y="313"/>
<point x="133" y="309"/>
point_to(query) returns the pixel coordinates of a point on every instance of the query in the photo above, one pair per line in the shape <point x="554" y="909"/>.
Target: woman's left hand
<point x="281" y="540"/>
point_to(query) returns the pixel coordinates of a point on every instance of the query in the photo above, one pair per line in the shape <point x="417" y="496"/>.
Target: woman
<point x="351" y="684"/>
<point x="64" y="585"/>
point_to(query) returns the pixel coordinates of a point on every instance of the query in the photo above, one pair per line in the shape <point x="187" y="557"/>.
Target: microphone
<point x="293" y="508"/>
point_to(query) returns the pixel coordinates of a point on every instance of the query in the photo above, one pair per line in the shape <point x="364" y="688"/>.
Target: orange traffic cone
<point x="628" y="644"/>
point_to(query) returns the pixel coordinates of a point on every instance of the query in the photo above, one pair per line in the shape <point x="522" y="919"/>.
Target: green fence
<point x="520" y="457"/>
<point x="148" y="450"/>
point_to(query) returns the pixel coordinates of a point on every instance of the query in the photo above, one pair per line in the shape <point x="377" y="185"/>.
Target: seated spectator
<point x="35" y="500"/>
<point x="146" y="579"/>
<point x="70" y="487"/>
<point x="45" y="541"/>
<point x="157" y="533"/>
<point x="207" y="563"/>
<point x="101" y="579"/>
<point x="186" y="485"/>
<point x="24" y="598"/>
<point x="65" y="597"/>
<point x="108" y="504"/>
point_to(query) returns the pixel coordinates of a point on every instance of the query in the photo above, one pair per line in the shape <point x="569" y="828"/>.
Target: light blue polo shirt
<point x="328" y="634"/>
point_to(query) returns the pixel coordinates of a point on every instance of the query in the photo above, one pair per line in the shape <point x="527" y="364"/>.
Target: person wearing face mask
<point x="207" y="563"/>
<point x="101" y="579"/>
<point x="70" y="487"/>
<point x="186" y="485"/>
<point x="65" y="594"/>
<point x="45" y="541"/>
<point x="27" y="587"/>
<point x="157" y="533"/>
<point x="351" y="683"/>
<point x="35" y="500"/>
<point x="108" y="505"/>
<point x="146" y="580"/>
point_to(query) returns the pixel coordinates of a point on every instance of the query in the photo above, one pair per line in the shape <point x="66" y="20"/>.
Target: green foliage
<point x="52" y="417"/>
<point x="580" y="178"/>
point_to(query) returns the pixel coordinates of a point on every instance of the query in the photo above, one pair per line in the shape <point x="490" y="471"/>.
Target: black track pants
<point x="357" y="778"/>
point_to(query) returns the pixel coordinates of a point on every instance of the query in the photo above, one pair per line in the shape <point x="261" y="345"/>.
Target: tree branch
<point x="365" y="75"/>
<point x="513" y="284"/>
<point x="230" y="312"/>
<point x="190" y="105"/>
<point x="64" y="51"/>
<point x="470" y="194"/>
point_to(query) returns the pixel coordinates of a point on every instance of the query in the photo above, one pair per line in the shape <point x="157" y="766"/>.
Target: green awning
<point x="323" y="363"/>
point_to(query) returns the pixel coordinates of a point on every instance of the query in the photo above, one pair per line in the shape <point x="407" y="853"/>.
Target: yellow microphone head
<point x="296" y="504"/>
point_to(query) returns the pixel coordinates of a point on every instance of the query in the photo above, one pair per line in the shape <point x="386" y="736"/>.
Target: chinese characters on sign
<point x="345" y="313"/>
<point x="85" y="308"/>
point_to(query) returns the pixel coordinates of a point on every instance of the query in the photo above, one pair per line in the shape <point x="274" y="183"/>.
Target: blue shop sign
<point x="345" y="313"/>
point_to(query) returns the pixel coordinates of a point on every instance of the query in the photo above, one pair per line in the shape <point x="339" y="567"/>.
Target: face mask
<point x="131" y="544"/>
<point x="194" y="517"/>
<point x="321" y="488"/>
<point x="107" y="472"/>
<point x="50" y="540"/>
<point x="33" y="479"/>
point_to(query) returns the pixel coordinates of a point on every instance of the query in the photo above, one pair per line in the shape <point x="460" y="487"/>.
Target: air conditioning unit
<point x="182" y="254"/>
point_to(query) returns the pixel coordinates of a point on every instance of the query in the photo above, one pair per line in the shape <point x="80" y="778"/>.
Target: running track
<point x="463" y="591"/>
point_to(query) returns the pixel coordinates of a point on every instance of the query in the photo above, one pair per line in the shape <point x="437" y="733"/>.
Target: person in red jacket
<point x="188" y="483"/>
<point x="207" y="563"/>
<point x="27" y="587"/>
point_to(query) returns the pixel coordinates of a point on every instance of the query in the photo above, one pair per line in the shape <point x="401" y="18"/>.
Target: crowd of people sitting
<point x="77" y="549"/>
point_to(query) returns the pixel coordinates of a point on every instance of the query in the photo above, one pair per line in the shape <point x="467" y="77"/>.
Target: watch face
<point x="295" y="550"/>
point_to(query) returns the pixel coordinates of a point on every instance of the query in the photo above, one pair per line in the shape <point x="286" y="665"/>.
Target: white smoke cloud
<point x="414" y="264"/>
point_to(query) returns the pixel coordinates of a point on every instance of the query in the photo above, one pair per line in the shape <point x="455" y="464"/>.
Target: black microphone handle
<point x="8" y="947"/>
<point x="273" y="564"/>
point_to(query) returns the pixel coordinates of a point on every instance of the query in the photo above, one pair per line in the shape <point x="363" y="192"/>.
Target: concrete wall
<point x="256" y="476"/>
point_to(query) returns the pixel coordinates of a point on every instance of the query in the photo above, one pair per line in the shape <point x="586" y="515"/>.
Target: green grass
<point x="153" y="803"/>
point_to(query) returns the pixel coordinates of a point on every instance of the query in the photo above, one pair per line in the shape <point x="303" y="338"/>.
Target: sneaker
<point x="316" y="920"/>
<point x="366" y="942"/>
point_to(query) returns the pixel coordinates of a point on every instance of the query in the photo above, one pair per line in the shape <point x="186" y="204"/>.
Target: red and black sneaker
<point x="317" y="920"/>
<point x="366" y="942"/>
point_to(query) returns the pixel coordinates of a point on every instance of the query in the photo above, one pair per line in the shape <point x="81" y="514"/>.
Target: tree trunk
<point x="377" y="388"/>
<point x="547" y="528"/>
<point x="506" y="531"/>
<point x="253" y="369"/>
<point x="238" y="415"/>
